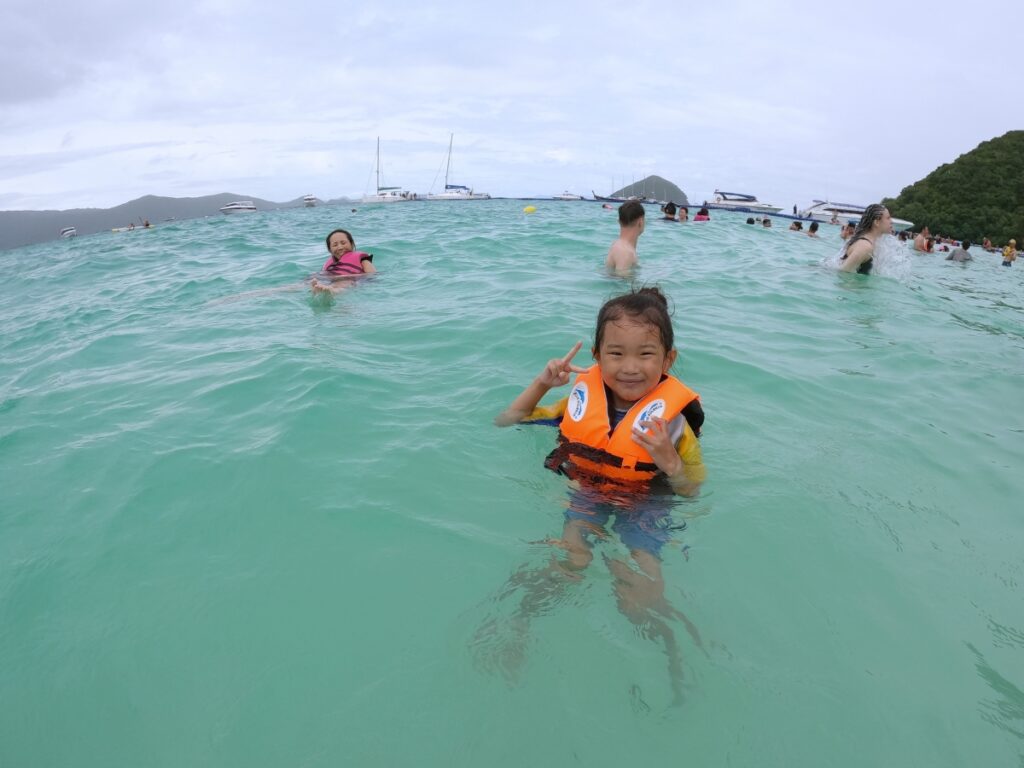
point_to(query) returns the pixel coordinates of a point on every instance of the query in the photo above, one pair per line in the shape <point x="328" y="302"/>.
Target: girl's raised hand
<point x="556" y="372"/>
<point x="656" y="441"/>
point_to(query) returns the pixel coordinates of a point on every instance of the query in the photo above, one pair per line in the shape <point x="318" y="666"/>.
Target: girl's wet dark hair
<point x="344" y="232"/>
<point x="645" y="305"/>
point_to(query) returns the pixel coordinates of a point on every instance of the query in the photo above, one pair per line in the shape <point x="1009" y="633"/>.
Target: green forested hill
<point x="980" y="194"/>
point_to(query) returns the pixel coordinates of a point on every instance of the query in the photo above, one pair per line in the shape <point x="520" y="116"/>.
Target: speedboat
<point x="309" y="201"/>
<point x="239" y="206"/>
<point x="69" y="232"/>
<point x="456" y="191"/>
<point x="387" y="194"/>
<point x="737" y="201"/>
<point x="567" y="195"/>
<point x="842" y="213"/>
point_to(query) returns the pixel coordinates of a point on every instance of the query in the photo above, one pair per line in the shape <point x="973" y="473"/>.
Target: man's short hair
<point x="630" y="211"/>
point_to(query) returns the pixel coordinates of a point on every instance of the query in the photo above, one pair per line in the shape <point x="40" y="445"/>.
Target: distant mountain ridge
<point x="655" y="188"/>
<point x="980" y="194"/>
<point x="19" y="228"/>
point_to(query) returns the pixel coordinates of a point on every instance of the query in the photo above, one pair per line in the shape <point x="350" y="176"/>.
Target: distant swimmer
<point x="1010" y="254"/>
<point x="960" y="254"/>
<point x="812" y="231"/>
<point x="684" y="213"/>
<point x="702" y="215"/>
<point x="622" y="255"/>
<point x="345" y="262"/>
<point x="859" y="251"/>
<point x="670" y="211"/>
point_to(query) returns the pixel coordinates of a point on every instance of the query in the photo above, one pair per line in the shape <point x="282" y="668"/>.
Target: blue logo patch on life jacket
<point x="577" y="405"/>
<point x="654" y="409"/>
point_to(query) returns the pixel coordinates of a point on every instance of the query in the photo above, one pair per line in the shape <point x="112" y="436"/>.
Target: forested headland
<point x="980" y="194"/>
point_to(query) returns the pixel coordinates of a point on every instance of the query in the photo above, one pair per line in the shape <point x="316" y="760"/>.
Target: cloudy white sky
<point x="104" y="101"/>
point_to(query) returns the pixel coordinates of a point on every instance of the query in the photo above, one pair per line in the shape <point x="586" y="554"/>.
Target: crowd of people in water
<point x="925" y="242"/>
<point x="859" y="237"/>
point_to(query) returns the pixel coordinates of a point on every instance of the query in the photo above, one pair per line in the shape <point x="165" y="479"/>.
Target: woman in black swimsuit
<point x="860" y="248"/>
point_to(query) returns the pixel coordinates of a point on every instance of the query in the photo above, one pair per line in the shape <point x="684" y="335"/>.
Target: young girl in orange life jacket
<point x="627" y="426"/>
<point x="627" y="430"/>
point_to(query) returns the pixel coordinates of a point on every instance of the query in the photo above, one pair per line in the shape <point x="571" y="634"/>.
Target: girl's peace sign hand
<point x="556" y="372"/>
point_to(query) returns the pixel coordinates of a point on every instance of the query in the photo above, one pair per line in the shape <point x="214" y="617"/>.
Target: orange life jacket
<point x="590" y="450"/>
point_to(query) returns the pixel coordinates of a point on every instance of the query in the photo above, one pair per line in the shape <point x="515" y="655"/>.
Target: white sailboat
<point x="456" y="191"/>
<point x="387" y="194"/>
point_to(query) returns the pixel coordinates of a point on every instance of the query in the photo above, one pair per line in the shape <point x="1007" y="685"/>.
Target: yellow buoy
<point x="529" y="209"/>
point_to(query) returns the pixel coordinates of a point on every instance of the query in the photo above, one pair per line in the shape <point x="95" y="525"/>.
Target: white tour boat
<point x="239" y="206"/>
<point x="737" y="201"/>
<point x="309" y="201"/>
<point x="69" y="232"/>
<point x="843" y="213"/>
<point x="567" y="195"/>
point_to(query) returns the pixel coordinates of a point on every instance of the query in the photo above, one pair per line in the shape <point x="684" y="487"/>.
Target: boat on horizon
<point x="740" y="201"/>
<point x="69" y="232"/>
<point x="842" y="213"/>
<point x="567" y="195"/>
<point x="309" y="201"/>
<point x="456" y="191"/>
<point x="387" y="194"/>
<point x="239" y="206"/>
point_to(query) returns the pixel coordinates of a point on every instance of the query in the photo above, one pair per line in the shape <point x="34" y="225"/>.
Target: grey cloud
<point x="17" y="165"/>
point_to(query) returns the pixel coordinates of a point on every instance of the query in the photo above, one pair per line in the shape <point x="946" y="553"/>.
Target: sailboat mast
<point x="451" y="138"/>
<point x="378" y="165"/>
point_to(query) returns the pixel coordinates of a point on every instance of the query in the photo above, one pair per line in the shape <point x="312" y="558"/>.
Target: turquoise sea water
<point x="243" y="527"/>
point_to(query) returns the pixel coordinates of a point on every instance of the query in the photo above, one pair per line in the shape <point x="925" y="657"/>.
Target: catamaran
<point x="456" y="191"/>
<point x="387" y="194"/>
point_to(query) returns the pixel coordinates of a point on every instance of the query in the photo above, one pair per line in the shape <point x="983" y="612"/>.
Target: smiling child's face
<point x="633" y="359"/>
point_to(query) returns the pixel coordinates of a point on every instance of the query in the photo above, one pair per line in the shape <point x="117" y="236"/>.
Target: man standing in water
<point x="622" y="255"/>
<point x="960" y="254"/>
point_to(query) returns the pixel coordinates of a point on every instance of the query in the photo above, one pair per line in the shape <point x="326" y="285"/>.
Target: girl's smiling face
<point x="633" y="359"/>
<point x="339" y="245"/>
